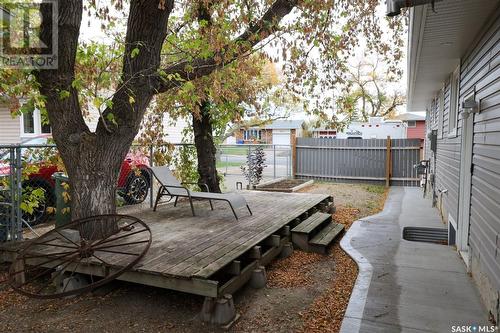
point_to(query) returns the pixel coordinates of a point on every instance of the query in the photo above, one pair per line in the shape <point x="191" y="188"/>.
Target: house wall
<point x="417" y="132"/>
<point x="479" y="73"/>
<point x="482" y="75"/>
<point x="266" y="136"/>
<point x="9" y="127"/>
<point x="173" y="129"/>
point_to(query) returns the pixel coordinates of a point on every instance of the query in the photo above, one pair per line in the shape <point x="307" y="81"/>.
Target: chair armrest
<point x="174" y="186"/>
<point x="199" y="184"/>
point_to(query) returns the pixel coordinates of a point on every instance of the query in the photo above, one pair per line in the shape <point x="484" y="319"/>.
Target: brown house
<point x="279" y="132"/>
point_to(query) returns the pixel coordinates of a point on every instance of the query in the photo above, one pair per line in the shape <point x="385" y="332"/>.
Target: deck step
<point x="307" y="229"/>
<point x="312" y="223"/>
<point x="325" y="237"/>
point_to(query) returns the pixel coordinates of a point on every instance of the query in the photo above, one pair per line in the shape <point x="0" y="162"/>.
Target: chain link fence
<point x="29" y="175"/>
<point x="231" y="158"/>
<point x="26" y="188"/>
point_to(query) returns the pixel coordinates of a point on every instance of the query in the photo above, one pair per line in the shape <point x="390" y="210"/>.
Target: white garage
<point x="281" y="137"/>
<point x="279" y="132"/>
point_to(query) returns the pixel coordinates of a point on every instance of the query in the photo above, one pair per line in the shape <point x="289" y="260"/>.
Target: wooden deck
<point x="213" y="253"/>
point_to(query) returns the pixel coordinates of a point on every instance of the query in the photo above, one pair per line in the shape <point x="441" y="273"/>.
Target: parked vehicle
<point x="133" y="182"/>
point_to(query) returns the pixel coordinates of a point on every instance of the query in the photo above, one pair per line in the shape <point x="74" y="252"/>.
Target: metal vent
<point x="428" y="235"/>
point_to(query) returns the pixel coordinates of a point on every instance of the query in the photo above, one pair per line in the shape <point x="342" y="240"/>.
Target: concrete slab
<point x="407" y="286"/>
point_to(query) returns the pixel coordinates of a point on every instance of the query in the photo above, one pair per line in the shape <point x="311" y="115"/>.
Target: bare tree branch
<point x="256" y="33"/>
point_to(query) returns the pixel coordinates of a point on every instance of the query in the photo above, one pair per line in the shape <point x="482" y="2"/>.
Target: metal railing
<point x="278" y="160"/>
<point x="27" y="189"/>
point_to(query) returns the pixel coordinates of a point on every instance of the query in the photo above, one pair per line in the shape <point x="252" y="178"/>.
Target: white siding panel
<point x="9" y="127"/>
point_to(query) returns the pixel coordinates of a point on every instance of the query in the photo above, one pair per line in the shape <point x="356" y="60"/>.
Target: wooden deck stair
<point x="316" y="232"/>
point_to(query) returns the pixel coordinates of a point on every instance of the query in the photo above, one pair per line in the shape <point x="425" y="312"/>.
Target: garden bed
<point x="285" y="185"/>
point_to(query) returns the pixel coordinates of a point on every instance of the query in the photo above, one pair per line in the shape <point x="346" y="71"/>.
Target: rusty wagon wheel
<point x="46" y="267"/>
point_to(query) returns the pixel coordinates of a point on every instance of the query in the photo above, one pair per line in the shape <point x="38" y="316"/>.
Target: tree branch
<point x="246" y="124"/>
<point x="64" y="112"/>
<point x="256" y="33"/>
<point x="147" y="28"/>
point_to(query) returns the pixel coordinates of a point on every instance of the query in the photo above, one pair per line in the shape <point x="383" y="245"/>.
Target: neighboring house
<point x="374" y="128"/>
<point x="324" y="133"/>
<point x="278" y="132"/>
<point x="415" y="125"/>
<point x="174" y="129"/>
<point x="454" y="74"/>
<point x="16" y="129"/>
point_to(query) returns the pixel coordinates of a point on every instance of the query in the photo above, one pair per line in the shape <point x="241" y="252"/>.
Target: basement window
<point x="454" y="96"/>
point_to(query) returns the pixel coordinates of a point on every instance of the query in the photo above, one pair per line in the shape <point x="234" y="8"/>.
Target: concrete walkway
<point x="407" y="286"/>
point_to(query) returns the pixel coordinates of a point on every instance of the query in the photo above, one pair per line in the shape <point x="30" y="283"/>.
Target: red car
<point x="133" y="182"/>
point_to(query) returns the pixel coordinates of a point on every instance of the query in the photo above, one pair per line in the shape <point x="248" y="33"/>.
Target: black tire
<point x="40" y="214"/>
<point x="137" y="189"/>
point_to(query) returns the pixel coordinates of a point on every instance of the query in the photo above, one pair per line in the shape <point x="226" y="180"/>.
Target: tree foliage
<point x="367" y="92"/>
<point x="170" y="48"/>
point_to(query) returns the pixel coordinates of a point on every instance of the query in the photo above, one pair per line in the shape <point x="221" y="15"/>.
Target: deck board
<point x="188" y="246"/>
<point x="186" y="250"/>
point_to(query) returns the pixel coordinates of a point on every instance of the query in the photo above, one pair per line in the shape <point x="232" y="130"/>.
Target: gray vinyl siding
<point x="479" y="73"/>
<point x="482" y="75"/>
<point x="447" y="158"/>
<point x="9" y="127"/>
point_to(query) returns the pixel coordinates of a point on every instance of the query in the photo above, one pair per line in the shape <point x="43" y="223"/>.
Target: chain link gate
<point x="10" y="193"/>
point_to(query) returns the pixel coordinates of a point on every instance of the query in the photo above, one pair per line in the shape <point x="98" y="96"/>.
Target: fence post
<point x="12" y="189"/>
<point x="19" y="195"/>
<point x="294" y="156"/>
<point x="388" y="162"/>
<point x="274" y="161"/>
<point x="151" y="163"/>
<point x="248" y="161"/>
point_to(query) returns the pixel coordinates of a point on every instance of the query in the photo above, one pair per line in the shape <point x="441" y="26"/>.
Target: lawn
<point x="241" y="151"/>
<point x="234" y="150"/>
<point x="223" y="164"/>
<point x="306" y="292"/>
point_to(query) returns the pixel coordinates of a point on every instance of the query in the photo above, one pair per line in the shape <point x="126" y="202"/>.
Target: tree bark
<point x="205" y="148"/>
<point x="93" y="160"/>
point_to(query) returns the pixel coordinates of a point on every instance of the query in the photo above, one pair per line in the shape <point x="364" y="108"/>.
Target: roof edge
<point x="418" y="17"/>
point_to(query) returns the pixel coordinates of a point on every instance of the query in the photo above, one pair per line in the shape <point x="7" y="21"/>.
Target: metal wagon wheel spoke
<point x="120" y="237"/>
<point x="45" y="266"/>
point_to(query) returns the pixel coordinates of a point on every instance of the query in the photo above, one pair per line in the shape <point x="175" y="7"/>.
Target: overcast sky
<point x="91" y="31"/>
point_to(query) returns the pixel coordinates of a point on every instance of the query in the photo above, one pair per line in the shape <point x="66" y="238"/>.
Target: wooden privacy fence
<point x="388" y="161"/>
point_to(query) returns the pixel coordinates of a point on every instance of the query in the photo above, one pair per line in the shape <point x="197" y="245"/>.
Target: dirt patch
<point x="292" y="272"/>
<point x="327" y="311"/>
<point x="285" y="184"/>
<point x="305" y="292"/>
<point x="369" y="199"/>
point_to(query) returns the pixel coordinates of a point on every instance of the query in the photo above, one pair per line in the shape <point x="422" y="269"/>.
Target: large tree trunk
<point x="93" y="182"/>
<point x="205" y="148"/>
<point x="93" y="160"/>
